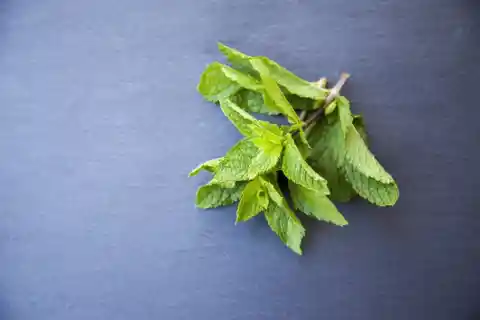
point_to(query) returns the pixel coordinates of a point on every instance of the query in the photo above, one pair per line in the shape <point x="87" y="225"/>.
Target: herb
<point x="323" y="153"/>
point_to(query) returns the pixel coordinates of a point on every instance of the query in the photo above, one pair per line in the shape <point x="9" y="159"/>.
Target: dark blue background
<point x="100" y="124"/>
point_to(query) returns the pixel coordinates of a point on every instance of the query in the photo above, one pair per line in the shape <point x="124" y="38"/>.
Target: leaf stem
<point x="334" y="92"/>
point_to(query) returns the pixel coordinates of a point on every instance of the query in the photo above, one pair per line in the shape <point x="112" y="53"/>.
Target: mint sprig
<point x="323" y="152"/>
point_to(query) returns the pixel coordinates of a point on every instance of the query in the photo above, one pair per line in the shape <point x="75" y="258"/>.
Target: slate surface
<point x="100" y="123"/>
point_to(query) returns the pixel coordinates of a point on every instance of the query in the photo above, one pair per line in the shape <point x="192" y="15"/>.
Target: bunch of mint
<point x="323" y="153"/>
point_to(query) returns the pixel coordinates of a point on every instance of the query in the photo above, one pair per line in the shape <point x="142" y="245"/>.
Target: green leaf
<point x="315" y="204"/>
<point x="286" y="225"/>
<point x="282" y="219"/>
<point x="376" y="192"/>
<point x="344" y="114"/>
<point x="253" y="201"/>
<point x="212" y="195"/>
<point x="245" y="161"/>
<point x="362" y="160"/>
<point x="366" y="175"/>
<point x="210" y="165"/>
<point x="214" y="85"/>
<point x="327" y="157"/>
<point x="298" y="171"/>
<point x="251" y="101"/>
<point x="281" y="75"/>
<point x="248" y="125"/>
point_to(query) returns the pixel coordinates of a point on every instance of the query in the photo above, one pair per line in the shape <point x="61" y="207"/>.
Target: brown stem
<point x="334" y="92"/>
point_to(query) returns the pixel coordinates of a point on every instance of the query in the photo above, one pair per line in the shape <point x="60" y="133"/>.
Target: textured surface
<point x="100" y="125"/>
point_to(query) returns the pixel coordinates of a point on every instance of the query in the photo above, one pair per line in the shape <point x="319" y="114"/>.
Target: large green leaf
<point x="282" y="219"/>
<point x="327" y="156"/>
<point x="362" y="160"/>
<point x="253" y="201"/>
<point x="315" y="204"/>
<point x="379" y="193"/>
<point x="299" y="171"/>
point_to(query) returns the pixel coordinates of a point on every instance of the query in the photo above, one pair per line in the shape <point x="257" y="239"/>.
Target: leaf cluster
<point x="324" y="161"/>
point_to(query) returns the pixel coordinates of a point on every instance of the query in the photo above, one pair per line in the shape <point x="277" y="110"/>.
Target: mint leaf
<point x="210" y="165"/>
<point x="327" y="156"/>
<point x="245" y="161"/>
<point x="315" y="204"/>
<point x="286" y="225"/>
<point x="362" y="160"/>
<point x="367" y="177"/>
<point x="253" y="201"/>
<point x="212" y="195"/>
<point x="214" y="85"/>
<point x="282" y="219"/>
<point x="376" y="192"/>
<point x="298" y="171"/>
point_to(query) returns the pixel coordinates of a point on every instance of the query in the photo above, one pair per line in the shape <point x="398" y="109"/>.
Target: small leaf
<point x="330" y="108"/>
<point x="315" y="205"/>
<point x="253" y="201"/>
<point x="298" y="171"/>
<point x="210" y="165"/>
<point x="212" y="195"/>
